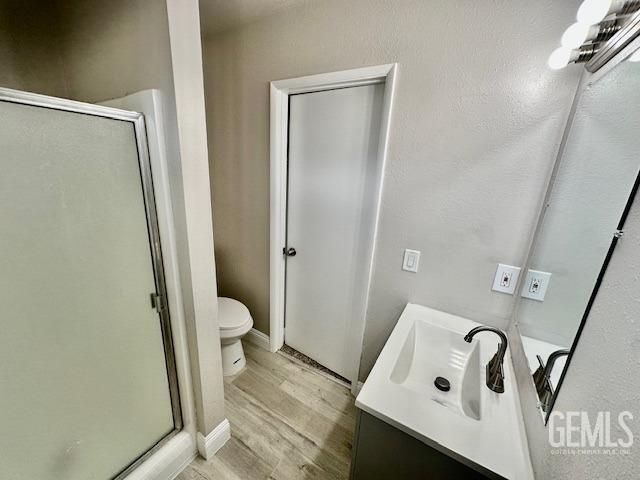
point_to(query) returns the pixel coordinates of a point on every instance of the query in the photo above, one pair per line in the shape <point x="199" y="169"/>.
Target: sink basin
<point x="469" y="422"/>
<point x="429" y="352"/>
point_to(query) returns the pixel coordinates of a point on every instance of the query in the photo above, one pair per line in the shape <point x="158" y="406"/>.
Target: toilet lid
<point x="232" y="313"/>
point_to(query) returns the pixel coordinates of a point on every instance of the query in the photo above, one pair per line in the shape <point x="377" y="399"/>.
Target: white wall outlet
<point x="411" y="260"/>
<point x="535" y="285"/>
<point x="506" y="279"/>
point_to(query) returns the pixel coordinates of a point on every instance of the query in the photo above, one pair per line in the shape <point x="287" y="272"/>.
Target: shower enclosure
<point x="88" y="383"/>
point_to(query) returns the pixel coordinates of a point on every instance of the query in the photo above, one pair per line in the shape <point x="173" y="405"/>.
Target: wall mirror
<point x="593" y="184"/>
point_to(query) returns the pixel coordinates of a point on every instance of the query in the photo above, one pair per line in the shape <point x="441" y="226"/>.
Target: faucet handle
<point x="538" y="376"/>
<point x="547" y="395"/>
<point x="495" y="378"/>
<point x="495" y="363"/>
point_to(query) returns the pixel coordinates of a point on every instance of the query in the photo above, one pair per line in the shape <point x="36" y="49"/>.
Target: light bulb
<point x="593" y="11"/>
<point x="635" y="56"/>
<point x="576" y="35"/>
<point x="559" y="58"/>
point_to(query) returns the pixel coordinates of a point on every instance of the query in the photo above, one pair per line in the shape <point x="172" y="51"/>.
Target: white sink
<point x="429" y="352"/>
<point x="470" y="423"/>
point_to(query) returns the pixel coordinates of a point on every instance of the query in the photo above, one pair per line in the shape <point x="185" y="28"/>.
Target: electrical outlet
<point x="535" y="285"/>
<point x="506" y="279"/>
<point x="411" y="260"/>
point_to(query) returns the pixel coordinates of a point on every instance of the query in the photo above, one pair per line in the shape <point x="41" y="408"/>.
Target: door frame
<point x="279" y="132"/>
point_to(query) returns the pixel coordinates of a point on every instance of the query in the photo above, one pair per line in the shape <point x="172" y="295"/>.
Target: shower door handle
<point x="289" y="252"/>
<point x="157" y="302"/>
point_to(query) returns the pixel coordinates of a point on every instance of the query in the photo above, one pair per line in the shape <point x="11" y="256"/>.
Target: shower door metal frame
<point x="146" y="179"/>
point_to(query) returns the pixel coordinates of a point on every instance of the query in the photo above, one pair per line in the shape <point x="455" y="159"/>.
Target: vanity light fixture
<point x="598" y="21"/>
<point x="592" y="12"/>
<point x="563" y="56"/>
<point x="580" y="33"/>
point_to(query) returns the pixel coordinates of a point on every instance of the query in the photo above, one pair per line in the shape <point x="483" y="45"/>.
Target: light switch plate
<point x="411" y="260"/>
<point x="506" y="279"/>
<point x="535" y="285"/>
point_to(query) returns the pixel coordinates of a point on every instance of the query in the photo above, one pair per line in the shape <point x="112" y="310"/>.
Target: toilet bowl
<point x="235" y="321"/>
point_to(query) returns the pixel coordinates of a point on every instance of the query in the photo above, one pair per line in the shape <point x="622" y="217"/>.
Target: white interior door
<point x="332" y="183"/>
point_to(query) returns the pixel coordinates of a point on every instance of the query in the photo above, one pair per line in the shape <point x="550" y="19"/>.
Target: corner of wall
<point x="186" y="59"/>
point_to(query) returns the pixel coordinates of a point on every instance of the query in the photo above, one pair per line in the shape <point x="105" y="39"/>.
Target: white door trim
<point x="280" y="91"/>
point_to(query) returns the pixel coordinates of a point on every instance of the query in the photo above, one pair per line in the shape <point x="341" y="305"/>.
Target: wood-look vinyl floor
<point x="287" y="422"/>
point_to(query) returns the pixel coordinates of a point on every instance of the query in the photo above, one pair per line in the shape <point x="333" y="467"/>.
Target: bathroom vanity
<point x="382" y="452"/>
<point x="409" y="427"/>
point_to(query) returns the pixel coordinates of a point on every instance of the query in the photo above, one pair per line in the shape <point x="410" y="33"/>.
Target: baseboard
<point x="180" y="467"/>
<point x="209" y="445"/>
<point x="258" y="338"/>
<point x="178" y="470"/>
<point x="169" y="461"/>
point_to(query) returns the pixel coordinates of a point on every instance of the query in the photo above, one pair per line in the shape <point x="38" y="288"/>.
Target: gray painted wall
<point x="476" y="126"/>
<point x="29" y="59"/>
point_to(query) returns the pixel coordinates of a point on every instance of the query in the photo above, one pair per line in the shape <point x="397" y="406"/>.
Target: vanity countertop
<point x="470" y="423"/>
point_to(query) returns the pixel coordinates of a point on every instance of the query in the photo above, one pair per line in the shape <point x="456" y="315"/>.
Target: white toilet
<point x="235" y="321"/>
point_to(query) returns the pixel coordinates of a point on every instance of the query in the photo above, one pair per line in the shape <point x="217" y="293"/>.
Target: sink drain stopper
<point x="442" y="383"/>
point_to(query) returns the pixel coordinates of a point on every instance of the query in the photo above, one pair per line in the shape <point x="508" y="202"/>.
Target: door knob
<point x="289" y="252"/>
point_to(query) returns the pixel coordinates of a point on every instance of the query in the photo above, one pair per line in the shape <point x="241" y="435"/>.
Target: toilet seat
<point x="233" y="317"/>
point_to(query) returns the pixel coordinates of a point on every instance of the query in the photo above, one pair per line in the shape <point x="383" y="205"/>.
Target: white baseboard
<point x="355" y="389"/>
<point x="169" y="461"/>
<point x="178" y="470"/>
<point x="258" y="338"/>
<point x="209" y="445"/>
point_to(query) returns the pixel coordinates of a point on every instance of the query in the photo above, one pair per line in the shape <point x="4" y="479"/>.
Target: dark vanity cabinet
<point x="382" y="452"/>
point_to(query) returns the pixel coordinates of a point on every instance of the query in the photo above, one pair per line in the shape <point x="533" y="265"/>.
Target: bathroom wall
<point x="186" y="58"/>
<point x="29" y="58"/>
<point x="476" y="126"/>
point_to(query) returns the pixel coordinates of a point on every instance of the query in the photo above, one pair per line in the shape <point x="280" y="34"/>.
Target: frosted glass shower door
<point x="84" y="379"/>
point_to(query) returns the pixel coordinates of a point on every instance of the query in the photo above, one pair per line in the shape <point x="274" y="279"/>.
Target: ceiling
<point x="219" y="15"/>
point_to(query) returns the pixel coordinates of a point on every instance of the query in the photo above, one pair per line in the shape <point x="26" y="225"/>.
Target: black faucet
<point x="542" y="378"/>
<point x="495" y="367"/>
